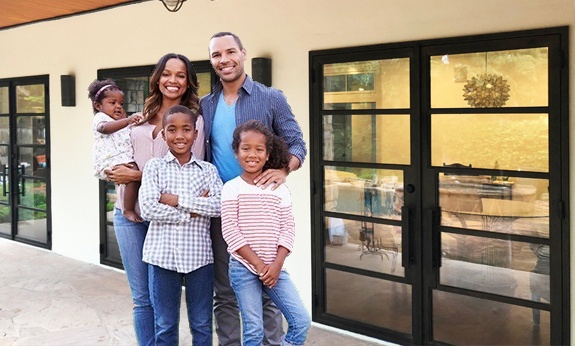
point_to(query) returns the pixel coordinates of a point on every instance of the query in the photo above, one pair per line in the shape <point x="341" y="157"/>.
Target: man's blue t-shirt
<point x="221" y="138"/>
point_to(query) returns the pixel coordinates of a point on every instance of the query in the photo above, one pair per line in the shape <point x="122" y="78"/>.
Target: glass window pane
<point x="500" y="204"/>
<point x="367" y="138"/>
<point x="385" y="83"/>
<point x="4" y="130"/>
<point x="31" y="130"/>
<point x="110" y="201"/>
<point x="135" y="91"/>
<point x="32" y="195"/>
<point x="364" y="191"/>
<point x="4" y="106"/>
<point x="32" y="225"/>
<point x="373" y="301"/>
<point x="504" y="267"/>
<point x="205" y="81"/>
<point x="523" y="71"/>
<point x="501" y="141"/>
<point x="30" y="99"/>
<point x="113" y="249"/>
<point x="364" y="245"/>
<point x="32" y="161"/>
<point x="5" y="219"/>
<point x="462" y="320"/>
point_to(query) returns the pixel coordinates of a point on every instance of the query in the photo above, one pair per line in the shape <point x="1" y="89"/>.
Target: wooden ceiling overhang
<point x="15" y="13"/>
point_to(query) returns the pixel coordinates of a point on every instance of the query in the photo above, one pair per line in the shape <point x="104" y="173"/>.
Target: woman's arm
<point x="122" y="174"/>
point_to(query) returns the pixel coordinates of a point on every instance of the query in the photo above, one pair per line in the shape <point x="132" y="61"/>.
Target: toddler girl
<point x="112" y="145"/>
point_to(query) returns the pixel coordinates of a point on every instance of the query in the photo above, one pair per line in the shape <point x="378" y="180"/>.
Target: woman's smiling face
<point x="174" y="79"/>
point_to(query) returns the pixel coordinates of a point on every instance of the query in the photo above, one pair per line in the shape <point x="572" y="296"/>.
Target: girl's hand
<point x="135" y="118"/>
<point x="271" y="275"/>
<point x="121" y="174"/>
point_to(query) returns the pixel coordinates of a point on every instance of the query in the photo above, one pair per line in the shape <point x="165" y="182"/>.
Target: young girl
<point x="112" y="144"/>
<point x="259" y="228"/>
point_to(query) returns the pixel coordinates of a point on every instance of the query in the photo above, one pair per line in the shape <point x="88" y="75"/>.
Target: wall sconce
<point x="68" y="88"/>
<point x="262" y="71"/>
<point x="173" y="5"/>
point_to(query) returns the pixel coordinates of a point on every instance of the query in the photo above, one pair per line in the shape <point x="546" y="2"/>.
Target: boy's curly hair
<point x="277" y="149"/>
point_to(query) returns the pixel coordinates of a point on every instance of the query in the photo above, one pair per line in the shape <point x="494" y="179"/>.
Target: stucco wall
<point x="282" y="30"/>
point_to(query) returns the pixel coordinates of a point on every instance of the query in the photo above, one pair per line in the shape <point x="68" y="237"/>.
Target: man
<point x="233" y="101"/>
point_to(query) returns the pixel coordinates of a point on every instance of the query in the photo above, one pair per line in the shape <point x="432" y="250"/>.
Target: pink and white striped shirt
<point x="262" y="219"/>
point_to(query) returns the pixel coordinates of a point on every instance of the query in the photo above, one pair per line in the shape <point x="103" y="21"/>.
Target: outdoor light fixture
<point x="173" y="5"/>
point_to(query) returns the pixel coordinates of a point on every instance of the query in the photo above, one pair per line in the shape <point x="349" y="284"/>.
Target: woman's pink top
<point x="146" y="147"/>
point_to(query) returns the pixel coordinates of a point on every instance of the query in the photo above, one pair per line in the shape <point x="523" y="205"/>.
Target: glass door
<point x="440" y="189"/>
<point x="493" y="173"/>
<point x="24" y="160"/>
<point x="368" y="172"/>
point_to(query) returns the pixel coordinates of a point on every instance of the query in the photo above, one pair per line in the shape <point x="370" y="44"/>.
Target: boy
<point x="179" y="194"/>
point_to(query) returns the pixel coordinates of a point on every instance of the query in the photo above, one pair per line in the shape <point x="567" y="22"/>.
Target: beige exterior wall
<point x="284" y="31"/>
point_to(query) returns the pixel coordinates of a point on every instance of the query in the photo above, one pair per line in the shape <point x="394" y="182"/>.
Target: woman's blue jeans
<point x="166" y="293"/>
<point x="249" y="290"/>
<point x="130" y="236"/>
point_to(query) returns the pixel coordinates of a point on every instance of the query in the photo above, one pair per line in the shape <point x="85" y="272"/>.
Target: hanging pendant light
<point x="486" y="90"/>
<point x="173" y="5"/>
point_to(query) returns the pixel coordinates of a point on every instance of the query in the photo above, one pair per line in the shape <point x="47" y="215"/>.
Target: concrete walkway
<point x="49" y="299"/>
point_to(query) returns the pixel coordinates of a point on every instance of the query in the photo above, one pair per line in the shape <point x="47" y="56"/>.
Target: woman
<point x="173" y="82"/>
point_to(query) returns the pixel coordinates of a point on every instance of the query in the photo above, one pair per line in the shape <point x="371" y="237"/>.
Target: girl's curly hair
<point x="97" y="92"/>
<point x="277" y="149"/>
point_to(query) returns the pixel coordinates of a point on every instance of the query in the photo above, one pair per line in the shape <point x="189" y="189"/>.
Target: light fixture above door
<point x="173" y="5"/>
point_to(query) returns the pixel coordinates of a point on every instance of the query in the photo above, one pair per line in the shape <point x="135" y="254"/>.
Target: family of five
<point x="212" y="212"/>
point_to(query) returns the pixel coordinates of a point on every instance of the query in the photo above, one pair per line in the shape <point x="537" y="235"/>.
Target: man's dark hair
<point x="227" y="33"/>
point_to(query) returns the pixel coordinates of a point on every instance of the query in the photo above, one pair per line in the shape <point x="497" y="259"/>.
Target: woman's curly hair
<point x="277" y="149"/>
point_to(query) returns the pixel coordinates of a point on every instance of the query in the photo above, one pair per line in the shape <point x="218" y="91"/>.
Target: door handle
<point x="22" y="171"/>
<point x="4" y="175"/>
<point x="433" y="215"/>
<point x="406" y="253"/>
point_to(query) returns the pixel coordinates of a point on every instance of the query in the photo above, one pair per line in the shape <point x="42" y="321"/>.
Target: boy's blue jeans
<point x="166" y="293"/>
<point x="249" y="291"/>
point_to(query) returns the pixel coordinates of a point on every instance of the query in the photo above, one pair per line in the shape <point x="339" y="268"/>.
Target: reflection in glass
<point x="30" y="99"/>
<point x="4" y="107"/>
<point x="504" y="267"/>
<point x="500" y="204"/>
<point x="500" y="141"/>
<point x="205" y="80"/>
<point x="32" y="161"/>
<point x="364" y="191"/>
<point x="32" y="225"/>
<point x="33" y="196"/>
<point x="112" y="248"/>
<point x="110" y="201"/>
<point x="369" y="246"/>
<point x="382" y="82"/>
<point x="367" y="138"/>
<point x="135" y="91"/>
<point x="4" y="130"/>
<point x="462" y="320"/>
<point x="525" y="70"/>
<point x="5" y="219"/>
<point x="31" y="130"/>
<point x="373" y="301"/>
